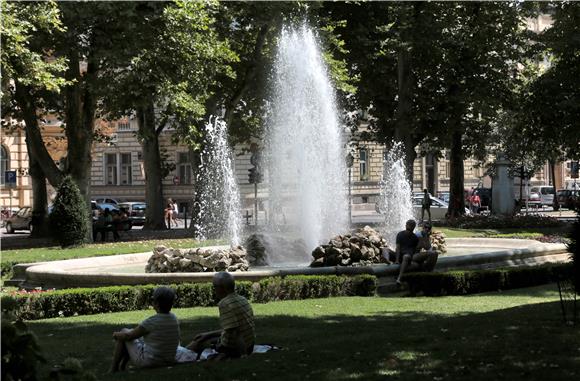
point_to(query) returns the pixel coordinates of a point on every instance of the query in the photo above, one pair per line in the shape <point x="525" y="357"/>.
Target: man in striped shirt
<point x="236" y="338"/>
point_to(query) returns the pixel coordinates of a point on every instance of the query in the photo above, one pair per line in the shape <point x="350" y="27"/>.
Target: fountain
<point x="305" y="151"/>
<point x="395" y="203"/>
<point x="219" y="206"/>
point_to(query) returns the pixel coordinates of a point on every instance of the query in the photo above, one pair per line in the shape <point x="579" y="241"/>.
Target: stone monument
<point x="503" y="198"/>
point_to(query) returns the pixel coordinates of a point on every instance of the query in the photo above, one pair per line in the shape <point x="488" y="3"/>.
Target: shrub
<point x="69" y="218"/>
<point x="83" y="301"/>
<point x="471" y="282"/>
<point x="502" y="222"/>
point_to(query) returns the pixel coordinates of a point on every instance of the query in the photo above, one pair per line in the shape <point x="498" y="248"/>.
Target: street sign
<point x="10" y="179"/>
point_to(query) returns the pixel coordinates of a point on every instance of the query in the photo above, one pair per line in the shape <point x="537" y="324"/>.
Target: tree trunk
<point x="80" y="122"/>
<point x="154" y="214"/>
<point x="457" y="197"/>
<point x="40" y="226"/>
<point x="35" y="145"/>
<point x="403" y="127"/>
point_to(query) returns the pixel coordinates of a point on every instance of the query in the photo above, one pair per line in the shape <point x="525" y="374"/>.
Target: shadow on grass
<point x="521" y="343"/>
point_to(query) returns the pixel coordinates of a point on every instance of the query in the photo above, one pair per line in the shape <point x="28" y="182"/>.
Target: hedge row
<point x="502" y="222"/>
<point x="87" y="301"/>
<point x="472" y="282"/>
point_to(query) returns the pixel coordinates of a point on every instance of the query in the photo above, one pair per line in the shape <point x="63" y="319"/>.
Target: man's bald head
<point x="225" y="281"/>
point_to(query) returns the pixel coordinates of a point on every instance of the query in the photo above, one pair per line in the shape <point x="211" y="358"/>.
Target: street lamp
<point x="349" y="163"/>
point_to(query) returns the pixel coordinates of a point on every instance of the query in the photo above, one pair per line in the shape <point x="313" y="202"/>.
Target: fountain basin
<point x="129" y="269"/>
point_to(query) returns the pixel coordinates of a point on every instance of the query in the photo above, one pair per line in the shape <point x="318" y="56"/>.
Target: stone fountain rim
<point x="54" y="274"/>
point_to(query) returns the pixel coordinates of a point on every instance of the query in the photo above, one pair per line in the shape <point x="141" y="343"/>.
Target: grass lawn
<point x="56" y="253"/>
<point x="515" y="335"/>
<point x="528" y="233"/>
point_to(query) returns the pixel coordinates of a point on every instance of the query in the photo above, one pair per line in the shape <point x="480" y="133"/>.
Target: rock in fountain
<point x="362" y="248"/>
<point x="305" y="149"/>
<point x="167" y="260"/>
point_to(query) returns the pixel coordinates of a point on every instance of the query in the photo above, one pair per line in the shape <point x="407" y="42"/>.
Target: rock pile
<point x="202" y="259"/>
<point x="438" y="241"/>
<point x="263" y="250"/>
<point x="362" y="248"/>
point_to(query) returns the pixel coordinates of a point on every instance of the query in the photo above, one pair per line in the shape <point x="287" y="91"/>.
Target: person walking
<point x="426" y="205"/>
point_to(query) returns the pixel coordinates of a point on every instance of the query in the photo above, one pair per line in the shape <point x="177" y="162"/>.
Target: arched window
<point x="4" y="163"/>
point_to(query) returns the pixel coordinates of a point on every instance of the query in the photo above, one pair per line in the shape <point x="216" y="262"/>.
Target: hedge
<point x="472" y="282"/>
<point x="502" y="222"/>
<point x="87" y="301"/>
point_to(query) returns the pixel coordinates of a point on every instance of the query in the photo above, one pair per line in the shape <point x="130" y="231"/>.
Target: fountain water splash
<point x="395" y="201"/>
<point x="219" y="207"/>
<point x="305" y="147"/>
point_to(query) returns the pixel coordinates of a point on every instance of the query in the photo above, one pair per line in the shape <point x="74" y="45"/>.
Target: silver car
<point x="438" y="208"/>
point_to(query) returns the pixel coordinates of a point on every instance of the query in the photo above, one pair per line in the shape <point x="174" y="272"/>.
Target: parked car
<point x="6" y="213"/>
<point x="22" y="220"/>
<point x="105" y="200"/>
<point x="135" y="211"/>
<point x="444" y="196"/>
<point x="546" y="193"/>
<point x="568" y="198"/>
<point x="438" y="208"/>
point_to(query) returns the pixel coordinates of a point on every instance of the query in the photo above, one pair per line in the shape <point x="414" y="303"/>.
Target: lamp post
<point x="349" y="162"/>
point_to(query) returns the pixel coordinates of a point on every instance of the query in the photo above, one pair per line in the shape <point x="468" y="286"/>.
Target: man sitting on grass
<point x="154" y="341"/>
<point x="236" y="338"/>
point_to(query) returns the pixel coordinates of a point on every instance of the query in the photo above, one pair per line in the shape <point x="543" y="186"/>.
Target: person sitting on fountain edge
<point x="236" y="338"/>
<point x="408" y="245"/>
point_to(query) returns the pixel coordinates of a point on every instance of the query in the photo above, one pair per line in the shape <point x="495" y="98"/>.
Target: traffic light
<point x="252" y="175"/>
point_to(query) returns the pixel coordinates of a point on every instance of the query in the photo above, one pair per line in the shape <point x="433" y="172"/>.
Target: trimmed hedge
<point x="88" y="301"/>
<point x="502" y="222"/>
<point x="472" y="282"/>
<point x="69" y="218"/>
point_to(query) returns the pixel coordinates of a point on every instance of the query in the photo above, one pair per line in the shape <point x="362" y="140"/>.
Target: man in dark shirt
<point x="406" y="245"/>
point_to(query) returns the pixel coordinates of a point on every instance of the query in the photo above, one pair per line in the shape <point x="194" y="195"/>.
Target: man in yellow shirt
<point x="236" y="336"/>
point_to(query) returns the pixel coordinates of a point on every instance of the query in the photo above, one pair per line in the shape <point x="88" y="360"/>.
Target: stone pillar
<point x="503" y="198"/>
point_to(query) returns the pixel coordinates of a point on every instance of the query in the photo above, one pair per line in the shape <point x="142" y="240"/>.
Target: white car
<point x="545" y="192"/>
<point x="438" y="208"/>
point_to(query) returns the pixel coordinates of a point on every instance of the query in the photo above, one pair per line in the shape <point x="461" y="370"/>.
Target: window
<point x="4" y="163"/>
<point x="123" y="126"/>
<point x="118" y="169"/>
<point x="184" y="167"/>
<point x="111" y="169"/>
<point x="363" y="165"/>
<point x="126" y="172"/>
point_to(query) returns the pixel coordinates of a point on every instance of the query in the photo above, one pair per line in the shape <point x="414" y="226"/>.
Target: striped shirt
<point x="162" y="338"/>
<point x="237" y="322"/>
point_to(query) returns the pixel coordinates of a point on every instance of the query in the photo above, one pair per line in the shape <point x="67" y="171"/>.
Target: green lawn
<point x="529" y="233"/>
<point x="95" y="249"/>
<point x="515" y="335"/>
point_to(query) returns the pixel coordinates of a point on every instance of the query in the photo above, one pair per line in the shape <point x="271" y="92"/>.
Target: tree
<point x="438" y="73"/>
<point x="174" y="58"/>
<point x="550" y="114"/>
<point x="28" y="78"/>
<point x="68" y="216"/>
